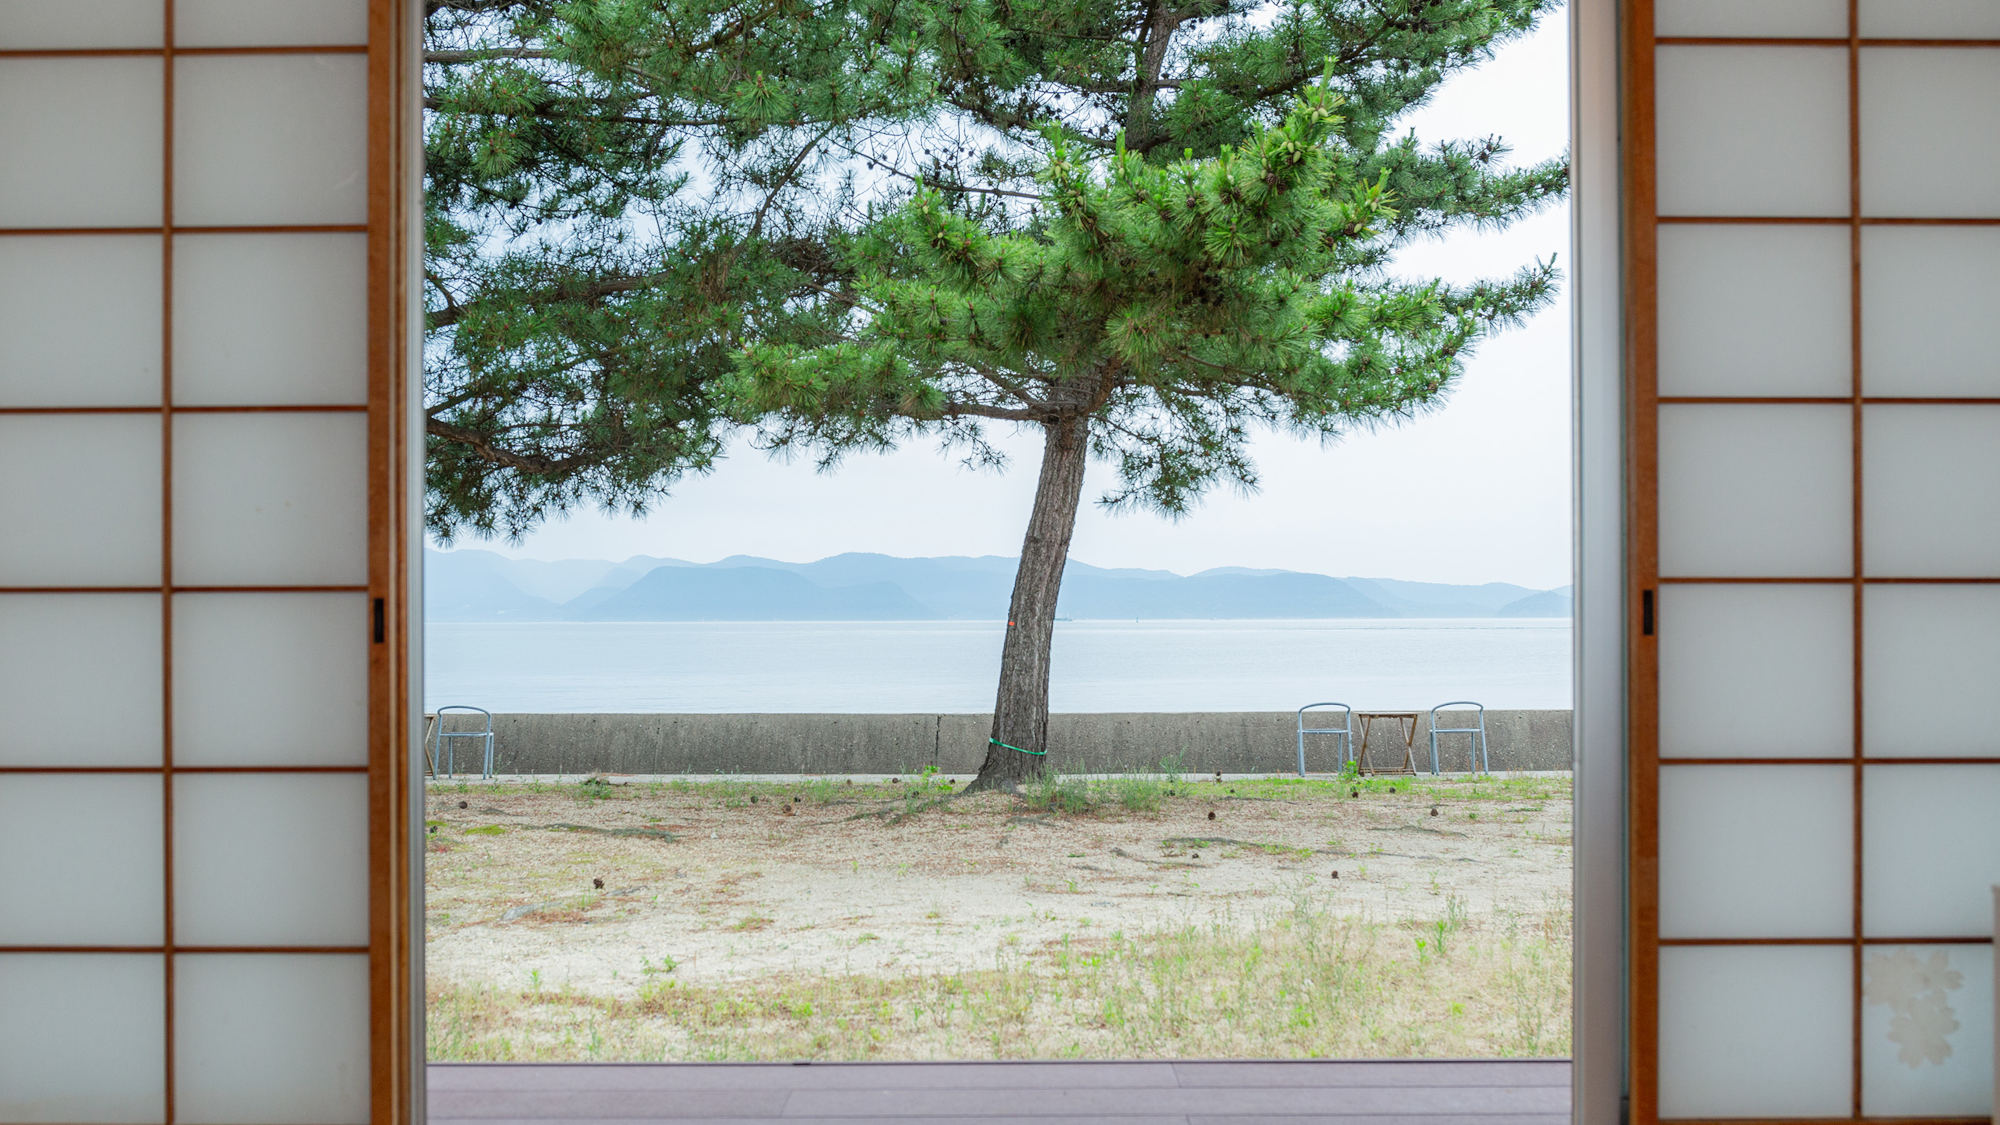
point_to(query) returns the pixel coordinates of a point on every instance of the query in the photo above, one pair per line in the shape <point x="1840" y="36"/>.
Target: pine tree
<point x="1147" y="230"/>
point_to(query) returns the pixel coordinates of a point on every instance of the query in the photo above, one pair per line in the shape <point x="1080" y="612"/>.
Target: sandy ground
<point x="560" y="889"/>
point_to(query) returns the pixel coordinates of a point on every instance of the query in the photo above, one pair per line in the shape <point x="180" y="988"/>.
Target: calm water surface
<point x="950" y="666"/>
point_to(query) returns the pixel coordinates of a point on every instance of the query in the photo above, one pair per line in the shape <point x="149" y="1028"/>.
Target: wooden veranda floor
<point x="1123" y="1093"/>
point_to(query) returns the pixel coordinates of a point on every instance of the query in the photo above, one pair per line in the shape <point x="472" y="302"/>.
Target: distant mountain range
<point x="473" y="585"/>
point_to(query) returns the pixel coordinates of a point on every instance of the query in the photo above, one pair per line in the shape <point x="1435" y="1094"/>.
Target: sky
<point x="1477" y="491"/>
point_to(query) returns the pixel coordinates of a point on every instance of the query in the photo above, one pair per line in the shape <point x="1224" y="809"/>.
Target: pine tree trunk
<point x="1021" y="709"/>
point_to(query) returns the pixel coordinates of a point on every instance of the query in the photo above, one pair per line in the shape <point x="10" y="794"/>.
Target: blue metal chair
<point x="442" y="740"/>
<point x="1478" y="732"/>
<point x="1343" y="735"/>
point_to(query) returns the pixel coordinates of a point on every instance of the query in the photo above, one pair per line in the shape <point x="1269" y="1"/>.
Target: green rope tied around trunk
<point x="1017" y="749"/>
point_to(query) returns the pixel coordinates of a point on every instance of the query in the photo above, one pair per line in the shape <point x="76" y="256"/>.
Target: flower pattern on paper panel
<point x="1916" y="991"/>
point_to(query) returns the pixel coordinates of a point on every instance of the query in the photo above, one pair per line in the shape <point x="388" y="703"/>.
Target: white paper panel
<point x="1756" y="671"/>
<point x="262" y="319"/>
<point x="271" y="1039"/>
<point x="1756" y="851"/>
<point x="83" y="142"/>
<point x="1929" y="505"/>
<point x="68" y="25"/>
<point x="1927" y="1030"/>
<point x="270" y="499"/>
<point x="1930" y="662"/>
<point x="1755" y="310"/>
<point x="1751" y="131"/>
<point x="80" y="679"/>
<point x="271" y="859"/>
<point x="81" y="506"/>
<point x="1915" y="159"/>
<point x="1927" y="301"/>
<point x="1930" y="850"/>
<point x="273" y="139"/>
<point x="270" y="23"/>
<point x="271" y="679"/>
<point x="1766" y="19"/>
<point x="1930" y="19"/>
<point x="82" y="1036"/>
<point x="80" y="321"/>
<point x="81" y="860"/>
<point x="1755" y="491"/>
<point x="1755" y="1031"/>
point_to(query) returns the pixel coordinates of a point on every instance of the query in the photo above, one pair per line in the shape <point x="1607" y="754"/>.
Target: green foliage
<point x="1145" y="790"/>
<point x="617" y="193"/>
<point x="1175" y="303"/>
<point x="853" y="223"/>
<point x="1134" y="791"/>
<point x="1052" y="792"/>
<point x="928" y="789"/>
<point x="1139" y="792"/>
<point x="1439" y="935"/>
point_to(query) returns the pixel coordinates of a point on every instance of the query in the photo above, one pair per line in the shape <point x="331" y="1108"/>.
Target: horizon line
<point x="430" y="546"/>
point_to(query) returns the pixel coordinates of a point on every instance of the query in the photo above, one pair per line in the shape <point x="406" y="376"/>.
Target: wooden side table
<point x="1407" y="721"/>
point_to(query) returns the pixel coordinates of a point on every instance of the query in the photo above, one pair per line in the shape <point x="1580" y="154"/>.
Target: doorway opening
<point x="714" y="837"/>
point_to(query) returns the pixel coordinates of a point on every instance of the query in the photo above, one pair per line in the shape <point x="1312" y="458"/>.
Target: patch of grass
<point x="1059" y="793"/>
<point x="1301" y="982"/>
<point x="487" y="830"/>
<point x="596" y="788"/>
<point x="654" y="992"/>
<point x="1139" y="792"/>
<point x="750" y="924"/>
<point x="730" y="793"/>
<point x="822" y="791"/>
<point x="1437" y="938"/>
<point x="1133" y="791"/>
<point x="1480" y="787"/>
<point x="1146" y="790"/>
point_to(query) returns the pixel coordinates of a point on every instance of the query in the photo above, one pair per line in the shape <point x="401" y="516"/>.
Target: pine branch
<point x="482" y="446"/>
<point x="593" y="291"/>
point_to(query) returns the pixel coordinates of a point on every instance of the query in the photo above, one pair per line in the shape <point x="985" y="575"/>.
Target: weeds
<point x="1306" y="979"/>
<point x="1300" y="982"/>
<point x="1139" y="792"/>
<point x="1134" y="791"/>
<point x="1053" y="792"/>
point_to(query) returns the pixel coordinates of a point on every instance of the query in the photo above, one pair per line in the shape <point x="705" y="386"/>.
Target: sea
<point x="951" y="666"/>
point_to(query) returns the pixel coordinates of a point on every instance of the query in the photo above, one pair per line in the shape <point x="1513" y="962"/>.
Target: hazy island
<point x="476" y="585"/>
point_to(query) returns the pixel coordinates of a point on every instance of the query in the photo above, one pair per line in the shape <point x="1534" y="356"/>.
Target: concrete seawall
<point x="1231" y="741"/>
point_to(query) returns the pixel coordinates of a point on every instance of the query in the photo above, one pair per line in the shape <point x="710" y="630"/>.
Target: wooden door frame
<point x="395" y="528"/>
<point x="1599" y="506"/>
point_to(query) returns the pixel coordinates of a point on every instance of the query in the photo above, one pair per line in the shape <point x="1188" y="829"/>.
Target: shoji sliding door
<point x="1813" y="260"/>
<point x="201" y="253"/>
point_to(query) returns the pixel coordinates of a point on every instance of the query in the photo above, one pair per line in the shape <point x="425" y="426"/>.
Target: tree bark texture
<point x="1021" y="710"/>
